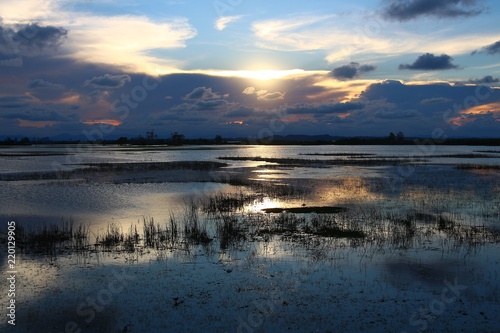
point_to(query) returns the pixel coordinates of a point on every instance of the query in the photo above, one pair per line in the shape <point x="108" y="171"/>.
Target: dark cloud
<point x="40" y="114"/>
<point x="431" y="62"/>
<point x="397" y="114"/>
<point x="34" y="35"/>
<point x="15" y="101"/>
<point x="405" y="10"/>
<point x="408" y="96"/>
<point x="202" y="99"/>
<point x="435" y="100"/>
<point x="493" y="48"/>
<point x="242" y="111"/>
<point x="489" y="49"/>
<point x="325" y="108"/>
<point x="209" y="104"/>
<point x="108" y="81"/>
<point x="42" y="84"/>
<point x="202" y="93"/>
<point x="486" y="79"/>
<point x="351" y="71"/>
<point x="202" y="106"/>
<point x="29" y="38"/>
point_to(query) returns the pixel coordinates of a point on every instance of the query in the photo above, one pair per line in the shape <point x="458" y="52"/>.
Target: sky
<point x="101" y="69"/>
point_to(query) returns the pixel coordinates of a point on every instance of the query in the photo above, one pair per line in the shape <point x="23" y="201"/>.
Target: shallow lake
<point x="354" y="237"/>
<point x="102" y="200"/>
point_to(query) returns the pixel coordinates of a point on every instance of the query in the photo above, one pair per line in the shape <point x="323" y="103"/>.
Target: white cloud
<point x="249" y="91"/>
<point x="121" y="40"/>
<point x="327" y="32"/>
<point x="224" y="21"/>
<point x="291" y="34"/>
<point x="126" y="40"/>
<point x="263" y="95"/>
<point x="25" y="11"/>
<point x="344" y="37"/>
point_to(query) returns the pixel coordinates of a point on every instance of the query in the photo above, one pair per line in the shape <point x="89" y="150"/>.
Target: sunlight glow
<point x="112" y="122"/>
<point x="484" y="109"/>
<point x="467" y="116"/>
<point x="236" y="122"/>
<point x="263" y="74"/>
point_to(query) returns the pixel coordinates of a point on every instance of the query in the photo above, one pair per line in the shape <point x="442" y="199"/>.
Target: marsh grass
<point x="131" y="240"/>
<point x="228" y="202"/>
<point x="196" y="232"/>
<point x="161" y="166"/>
<point x="286" y="223"/>
<point x="48" y="239"/>
<point x="329" y="226"/>
<point x="81" y="238"/>
<point x="112" y="237"/>
<point x="230" y="231"/>
<point x="159" y="236"/>
<point x="445" y="223"/>
<point x="279" y="190"/>
<point x="221" y="221"/>
<point x="197" y="235"/>
<point x="403" y="231"/>
<point x="307" y="210"/>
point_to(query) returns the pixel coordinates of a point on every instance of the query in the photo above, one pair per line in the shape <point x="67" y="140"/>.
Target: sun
<point x="260" y="74"/>
<point x="269" y="74"/>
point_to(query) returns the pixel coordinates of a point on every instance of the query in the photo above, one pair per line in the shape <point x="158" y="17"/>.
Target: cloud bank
<point x="351" y="71"/>
<point x="430" y="62"/>
<point x="406" y="10"/>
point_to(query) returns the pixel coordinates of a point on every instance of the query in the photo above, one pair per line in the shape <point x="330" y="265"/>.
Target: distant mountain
<point x="289" y="138"/>
<point x="305" y="138"/>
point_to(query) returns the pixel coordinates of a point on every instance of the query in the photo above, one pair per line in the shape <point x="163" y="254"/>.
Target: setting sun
<point x="261" y="74"/>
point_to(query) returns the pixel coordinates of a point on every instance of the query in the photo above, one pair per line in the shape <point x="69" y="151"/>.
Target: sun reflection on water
<point x="266" y="202"/>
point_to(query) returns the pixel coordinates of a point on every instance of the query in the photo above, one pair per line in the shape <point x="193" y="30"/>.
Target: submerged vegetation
<point x="92" y="170"/>
<point x="222" y="222"/>
<point x="318" y="163"/>
<point x="304" y="210"/>
<point x="370" y="212"/>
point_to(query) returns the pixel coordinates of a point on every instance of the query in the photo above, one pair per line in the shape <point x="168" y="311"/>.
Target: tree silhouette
<point x="177" y="138"/>
<point x="400" y="137"/>
<point x="122" y="140"/>
<point x="392" y="137"/>
<point x="151" y="136"/>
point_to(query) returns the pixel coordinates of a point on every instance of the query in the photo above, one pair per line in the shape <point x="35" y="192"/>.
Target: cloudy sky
<point x="109" y="68"/>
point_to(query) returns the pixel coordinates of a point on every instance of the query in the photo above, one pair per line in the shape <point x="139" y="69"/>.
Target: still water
<point x="100" y="202"/>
